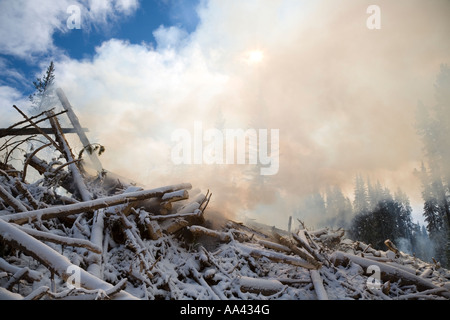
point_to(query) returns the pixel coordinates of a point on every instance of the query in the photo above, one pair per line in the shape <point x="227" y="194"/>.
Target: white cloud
<point x="169" y="37"/>
<point x="9" y="97"/>
<point x="27" y="26"/>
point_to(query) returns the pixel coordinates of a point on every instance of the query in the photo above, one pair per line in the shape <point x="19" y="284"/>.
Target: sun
<point x="255" y="56"/>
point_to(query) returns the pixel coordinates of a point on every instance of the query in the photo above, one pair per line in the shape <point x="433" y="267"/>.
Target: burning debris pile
<point x="73" y="235"/>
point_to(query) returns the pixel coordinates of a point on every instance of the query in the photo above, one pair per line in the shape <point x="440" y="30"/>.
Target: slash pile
<point x="72" y="235"/>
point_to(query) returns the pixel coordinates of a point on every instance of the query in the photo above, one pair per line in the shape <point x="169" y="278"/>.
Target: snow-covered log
<point x="202" y="231"/>
<point x="66" y="241"/>
<point x="275" y="256"/>
<point x="265" y="287"/>
<point x="274" y="246"/>
<point x="173" y="225"/>
<point x="61" y="211"/>
<point x="97" y="240"/>
<point x="318" y="285"/>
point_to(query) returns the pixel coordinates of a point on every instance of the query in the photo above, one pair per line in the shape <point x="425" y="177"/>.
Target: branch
<point x="11" y="201"/>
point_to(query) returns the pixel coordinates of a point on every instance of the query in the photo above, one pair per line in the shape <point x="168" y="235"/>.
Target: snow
<point x="232" y="261"/>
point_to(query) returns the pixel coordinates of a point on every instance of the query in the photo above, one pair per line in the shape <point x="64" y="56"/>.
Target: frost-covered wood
<point x="202" y="231"/>
<point x="265" y="287"/>
<point x="11" y="201"/>
<point x="67" y="152"/>
<point x="50" y="237"/>
<point x="77" y="127"/>
<point x="318" y="285"/>
<point x="304" y="255"/>
<point x="276" y="256"/>
<point x="61" y="211"/>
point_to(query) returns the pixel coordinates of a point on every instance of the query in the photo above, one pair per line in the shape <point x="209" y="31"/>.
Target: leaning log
<point x="302" y="254"/>
<point x="67" y="152"/>
<point x="78" y="129"/>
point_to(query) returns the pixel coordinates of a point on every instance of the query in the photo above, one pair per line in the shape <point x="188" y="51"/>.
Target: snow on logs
<point x="66" y="210"/>
<point x="54" y="261"/>
<point x="130" y="243"/>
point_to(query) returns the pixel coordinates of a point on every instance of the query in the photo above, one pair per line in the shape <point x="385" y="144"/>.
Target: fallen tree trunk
<point x="62" y="211"/>
<point x="55" y="262"/>
<point x="275" y="256"/>
<point x="318" y="285"/>
<point x="265" y="287"/>
<point x="202" y="231"/>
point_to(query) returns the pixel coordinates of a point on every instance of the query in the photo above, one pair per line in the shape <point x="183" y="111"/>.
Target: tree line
<point x="376" y="214"/>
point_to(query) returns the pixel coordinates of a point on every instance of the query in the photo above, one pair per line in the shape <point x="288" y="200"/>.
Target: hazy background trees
<point x="433" y="127"/>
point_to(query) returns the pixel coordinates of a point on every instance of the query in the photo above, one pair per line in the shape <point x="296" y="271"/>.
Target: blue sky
<point x="135" y="27"/>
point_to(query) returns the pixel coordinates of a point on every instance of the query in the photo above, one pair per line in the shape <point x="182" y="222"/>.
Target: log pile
<point x="71" y="235"/>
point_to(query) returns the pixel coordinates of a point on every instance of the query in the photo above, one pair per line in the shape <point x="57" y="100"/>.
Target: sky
<point x="340" y="83"/>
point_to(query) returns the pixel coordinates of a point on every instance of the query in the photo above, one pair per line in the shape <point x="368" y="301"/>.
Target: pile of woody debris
<point x="72" y="235"/>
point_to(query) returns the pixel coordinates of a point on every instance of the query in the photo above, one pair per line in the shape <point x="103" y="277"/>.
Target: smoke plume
<point x="343" y="96"/>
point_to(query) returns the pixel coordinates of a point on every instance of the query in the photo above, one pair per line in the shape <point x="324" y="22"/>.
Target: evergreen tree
<point x="361" y="201"/>
<point x="388" y="218"/>
<point x="404" y="219"/>
<point x="339" y="208"/>
<point x="374" y="194"/>
<point x="43" y="88"/>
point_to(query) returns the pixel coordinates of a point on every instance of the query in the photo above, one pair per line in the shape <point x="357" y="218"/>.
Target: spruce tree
<point x="360" y="202"/>
<point x="43" y="89"/>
